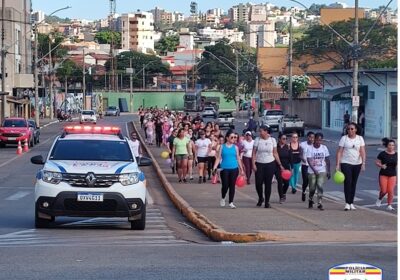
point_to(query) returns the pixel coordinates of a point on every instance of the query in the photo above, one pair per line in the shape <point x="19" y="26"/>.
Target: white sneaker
<point x="378" y="202"/>
<point x="347" y="207"/>
<point x="232" y="205"/>
<point x="222" y="202"/>
<point x="390" y="208"/>
<point x="352" y="207"/>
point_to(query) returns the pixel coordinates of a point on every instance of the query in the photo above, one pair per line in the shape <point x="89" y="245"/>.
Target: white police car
<point x="90" y="171"/>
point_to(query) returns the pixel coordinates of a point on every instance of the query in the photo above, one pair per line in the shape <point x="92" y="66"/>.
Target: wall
<point x="174" y="100"/>
<point x="329" y="15"/>
<point x="309" y="110"/>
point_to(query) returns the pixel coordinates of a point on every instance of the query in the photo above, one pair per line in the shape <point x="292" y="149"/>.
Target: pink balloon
<point x="240" y="181"/>
<point x="286" y="174"/>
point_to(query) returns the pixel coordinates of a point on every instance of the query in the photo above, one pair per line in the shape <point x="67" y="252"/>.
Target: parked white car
<point x="271" y="118"/>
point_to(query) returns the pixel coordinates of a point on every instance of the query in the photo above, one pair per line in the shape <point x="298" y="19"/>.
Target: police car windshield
<point x="94" y="150"/>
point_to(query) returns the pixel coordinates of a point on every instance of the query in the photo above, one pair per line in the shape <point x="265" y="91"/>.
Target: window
<point x="371" y="94"/>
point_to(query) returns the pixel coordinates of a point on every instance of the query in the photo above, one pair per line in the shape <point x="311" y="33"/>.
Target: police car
<point x="90" y="171"/>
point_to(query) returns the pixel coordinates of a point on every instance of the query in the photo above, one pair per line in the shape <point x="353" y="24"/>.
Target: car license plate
<point x="90" y="197"/>
<point x="12" y="138"/>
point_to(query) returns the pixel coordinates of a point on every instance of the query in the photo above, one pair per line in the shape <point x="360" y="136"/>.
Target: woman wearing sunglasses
<point x="350" y="159"/>
<point x="229" y="157"/>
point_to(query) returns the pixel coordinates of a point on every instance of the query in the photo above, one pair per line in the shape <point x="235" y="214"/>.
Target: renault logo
<point x="90" y="179"/>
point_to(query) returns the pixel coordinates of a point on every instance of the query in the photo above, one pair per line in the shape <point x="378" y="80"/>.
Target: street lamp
<point x="35" y="59"/>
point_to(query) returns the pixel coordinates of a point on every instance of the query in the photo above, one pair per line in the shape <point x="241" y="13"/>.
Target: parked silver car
<point x="112" y="111"/>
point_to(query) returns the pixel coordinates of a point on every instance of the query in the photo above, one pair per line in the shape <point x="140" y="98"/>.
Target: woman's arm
<point x="363" y="155"/>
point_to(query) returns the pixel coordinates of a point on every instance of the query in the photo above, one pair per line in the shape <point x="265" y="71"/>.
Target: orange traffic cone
<point x="26" y="147"/>
<point x="19" y="149"/>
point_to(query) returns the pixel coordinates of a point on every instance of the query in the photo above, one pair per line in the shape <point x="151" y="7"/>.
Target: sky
<point x="97" y="9"/>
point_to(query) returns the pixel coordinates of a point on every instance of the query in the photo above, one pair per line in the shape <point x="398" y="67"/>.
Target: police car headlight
<point x="129" y="178"/>
<point x="52" y="177"/>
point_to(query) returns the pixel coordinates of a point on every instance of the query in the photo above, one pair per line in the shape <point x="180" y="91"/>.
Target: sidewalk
<point x="288" y="222"/>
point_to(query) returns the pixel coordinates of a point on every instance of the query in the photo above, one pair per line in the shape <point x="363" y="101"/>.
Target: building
<point x="18" y="46"/>
<point x="264" y="31"/>
<point x="179" y="16"/>
<point x="378" y="99"/>
<point x="186" y="38"/>
<point x="37" y="16"/>
<point x="233" y="35"/>
<point x="329" y="15"/>
<point x="258" y="13"/>
<point x="240" y="13"/>
<point x="138" y="32"/>
<point x="216" y="12"/>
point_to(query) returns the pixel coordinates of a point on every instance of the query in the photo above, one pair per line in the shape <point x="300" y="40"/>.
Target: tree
<point x="222" y="75"/>
<point x="68" y="73"/>
<point x="107" y="36"/>
<point x="154" y="66"/>
<point x="315" y="9"/>
<point x="167" y="44"/>
<point x="299" y="84"/>
<point x="320" y="42"/>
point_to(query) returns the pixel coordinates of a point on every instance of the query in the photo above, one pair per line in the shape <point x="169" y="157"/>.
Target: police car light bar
<point x="78" y="129"/>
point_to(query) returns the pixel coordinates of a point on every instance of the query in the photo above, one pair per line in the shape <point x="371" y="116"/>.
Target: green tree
<point x="299" y="84"/>
<point x="315" y="9"/>
<point x="320" y="42"/>
<point x="167" y="44"/>
<point x="222" y="75"/>
<point x="154" y="66"/>
<point x="107" y="36"/>
<point x="69" y="73"/>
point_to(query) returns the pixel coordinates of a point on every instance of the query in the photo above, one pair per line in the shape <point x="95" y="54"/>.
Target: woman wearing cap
<point x="248" y="144"/>
<point x="231" y="164"/>
<point x="350" y="159"/>
<point x="265" y="158"/>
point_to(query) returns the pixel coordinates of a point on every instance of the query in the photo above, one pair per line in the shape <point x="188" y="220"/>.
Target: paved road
<point x="169" y="248"/>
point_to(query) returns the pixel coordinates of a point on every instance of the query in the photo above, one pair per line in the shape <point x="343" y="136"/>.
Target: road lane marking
<point x="18" y="195"/>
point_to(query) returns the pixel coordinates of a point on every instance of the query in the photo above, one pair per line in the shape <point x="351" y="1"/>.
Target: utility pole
<point x="257" y="94"/>
<point x="35" y="69"/>
<point x="290" y="62"/>
<point x="3" y="62"/>
<point x="51" y="82"/>
<point x="84" y="81"/>
<point x="144" y="76"/>
<point x="237" y="98"/>
<point x="355" y="67"/>
<point x="186" y="77"/>
<point x="131" y="83"/>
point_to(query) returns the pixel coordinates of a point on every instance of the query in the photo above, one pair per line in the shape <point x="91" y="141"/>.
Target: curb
<point x="213" y="231"/>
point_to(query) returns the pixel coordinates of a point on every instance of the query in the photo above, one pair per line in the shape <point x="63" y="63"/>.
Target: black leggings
<point x="210" y="165"/>
<point x="228" y="179"/>
<point x="158" y="138"/>
<point x="283" y="185"/>
<point x="264" y="174"/>
<point x="351" y="173"/>
<point x="304" y="175"/>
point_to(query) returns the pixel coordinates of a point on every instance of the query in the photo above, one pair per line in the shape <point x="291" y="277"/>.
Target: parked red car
<point x="13" y="130"/>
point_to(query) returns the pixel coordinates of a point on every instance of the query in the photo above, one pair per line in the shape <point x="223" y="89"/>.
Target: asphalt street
<point x="169" y="248"/>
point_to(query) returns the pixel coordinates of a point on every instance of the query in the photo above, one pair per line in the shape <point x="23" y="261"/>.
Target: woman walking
<point x="159" y="132"/>
<point x="248" y="144"/>
<point x="170" y="147"/>
<point x="304" y="164"/>
<point x="387" y="162"/>
<point x="284" y="156"/>
<point x="295" y="160"/>
<point x="350" y="159"/>
<point x="180" y="152"/>
<point x="229" y="157"/>
<point x="150" y="131"/>
<point x="191" y="157"/>
<point x="203" y="147"/>
<point x="212" y="154"/>
<point x="265" y="158"/>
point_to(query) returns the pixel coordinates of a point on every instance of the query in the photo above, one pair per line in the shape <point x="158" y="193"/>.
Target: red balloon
<point x="286" y="174"/>
<point x="240" y="181"/>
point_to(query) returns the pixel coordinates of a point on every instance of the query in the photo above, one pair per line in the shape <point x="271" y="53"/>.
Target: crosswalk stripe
<point x="18" y="195"/>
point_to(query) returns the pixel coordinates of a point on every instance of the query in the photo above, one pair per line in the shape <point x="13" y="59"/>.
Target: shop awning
<point x="343" y="93"/>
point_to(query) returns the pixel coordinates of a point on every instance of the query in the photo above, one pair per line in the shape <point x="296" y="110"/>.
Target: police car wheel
<point x="141" y="223"/>
<point x="42" y="223"/>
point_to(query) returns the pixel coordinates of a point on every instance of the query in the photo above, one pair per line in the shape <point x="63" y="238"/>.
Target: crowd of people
<point x="223" y="156"/>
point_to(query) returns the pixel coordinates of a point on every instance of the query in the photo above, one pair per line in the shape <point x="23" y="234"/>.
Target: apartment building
<point x="258" y="13"/>
<point x="264" y="31"/>
<point x="37" y="16"/>
<point x="218" y="12"/>
<point x="240" y="13"/>
<point x="18" y="45"/>
<point x="233" y="35"/>
<point x="138" y="32"/>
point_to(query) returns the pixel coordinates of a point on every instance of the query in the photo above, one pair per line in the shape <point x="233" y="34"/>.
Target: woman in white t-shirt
<point x="203" y="147"/>
<point x="318" y="169"/>
<point x="248" y="144"/>
<point x="350" y="159"/>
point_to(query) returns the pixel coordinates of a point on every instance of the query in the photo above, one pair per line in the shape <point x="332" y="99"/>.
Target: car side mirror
<point x="145" y="161"/>
<point x="37" y="160"/>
